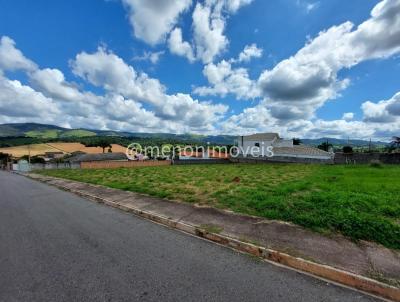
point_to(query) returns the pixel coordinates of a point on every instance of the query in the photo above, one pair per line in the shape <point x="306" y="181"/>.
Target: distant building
<point x="262" y="141"/>
<point x="260" y="146"/>
<point x="54" y="155"/>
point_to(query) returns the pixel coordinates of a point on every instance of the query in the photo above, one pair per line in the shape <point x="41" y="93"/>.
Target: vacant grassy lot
<point x="361" y="202"/>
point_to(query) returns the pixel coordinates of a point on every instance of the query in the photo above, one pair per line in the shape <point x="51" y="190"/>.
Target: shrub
<point x="347" y="149"/>
<point x="375" y="163"/>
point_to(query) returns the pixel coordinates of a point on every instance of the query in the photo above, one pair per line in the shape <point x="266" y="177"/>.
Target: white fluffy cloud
<point x="53" y="99"/>
<point x="381" y="121"/>
<point x="208" y="29"/>
<point x="297" y="86"/>
<point x="18" y="100"/>
<point x="227" y="80"/>
<point x="151" y="56"/>
<point x="348" y="116"/>
<point x="224" y="79"/>
<point x="178" y="46"/>
<point x="386" y="111"/>
<point x="12" y="58"/>
<point x="152" y="20"/>
<point x="233" y="5"/>
<point x="249" y="52"/>
<point x="107" y="70"/>
<point x="52" y="82"/>
<point x="209" y="22"/>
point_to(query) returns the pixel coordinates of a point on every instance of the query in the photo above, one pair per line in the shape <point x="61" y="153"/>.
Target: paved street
<point x="55" y="246"/>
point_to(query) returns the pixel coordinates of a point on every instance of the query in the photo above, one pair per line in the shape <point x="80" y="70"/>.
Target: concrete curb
<point x="329" y="273"/>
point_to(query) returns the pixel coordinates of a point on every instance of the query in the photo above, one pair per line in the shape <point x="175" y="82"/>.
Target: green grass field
<point x="360" y="202"/>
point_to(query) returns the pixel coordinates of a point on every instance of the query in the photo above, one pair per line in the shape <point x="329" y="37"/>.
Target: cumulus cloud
<point x="259" y="119"/>
<point x="227" y="80"/>
<point x="233" y="5"/>
<point x="381" y="120"/>
<point x="107" y="70"/>
<point x="386" y="111"/>
<point x="348" y="116"/>
<point x="209" y="21"/>
<point x="12" y="58"/>
<point x="251" y="120"/>
<point x="152" y="20"/>
<point x="151" y="56"/>
<point x="305" y="81"/>
<point x="208" y="28"/>
<point x="178" y="46"/>
<point x="249" y="52"/>
<point x="18" y="100"/>
<point x="52" y="82"/>
<point x="53" y="99"/>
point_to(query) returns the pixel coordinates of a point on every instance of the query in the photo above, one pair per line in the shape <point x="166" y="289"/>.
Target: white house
<point x="263" y="142"/>
<point x="271" y="145"/>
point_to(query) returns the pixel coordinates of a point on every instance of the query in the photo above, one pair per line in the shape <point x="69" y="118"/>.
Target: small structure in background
<point x="283" y="150"/>
<point x="23" y="166"/>
<point x="262" y="141"/>
<point x="53" y="155"/>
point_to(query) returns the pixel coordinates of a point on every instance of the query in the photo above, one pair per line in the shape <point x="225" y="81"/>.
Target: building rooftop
<point x="98" y="157"/>
<point x="262" y="136"/>
<point x="299" y="150"/>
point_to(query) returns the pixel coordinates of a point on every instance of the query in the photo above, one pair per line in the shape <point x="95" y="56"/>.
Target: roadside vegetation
<point x="361" y="202"/>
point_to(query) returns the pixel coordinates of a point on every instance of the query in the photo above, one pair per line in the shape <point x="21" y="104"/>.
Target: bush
<point x="347" y="149"/>
<point x="375" y="163"/>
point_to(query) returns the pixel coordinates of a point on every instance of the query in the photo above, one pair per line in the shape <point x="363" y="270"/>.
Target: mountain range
<point x="44" y="131"/>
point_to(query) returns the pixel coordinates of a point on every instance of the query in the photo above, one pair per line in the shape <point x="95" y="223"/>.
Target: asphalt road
<point x="55" y="246"/>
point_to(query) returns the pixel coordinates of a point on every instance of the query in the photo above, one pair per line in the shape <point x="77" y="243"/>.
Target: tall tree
<point x="325" y="146"/>
<point x="102" y="143"/>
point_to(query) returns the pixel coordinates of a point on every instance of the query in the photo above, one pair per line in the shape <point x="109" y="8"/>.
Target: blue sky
<point x="174" y="66"/>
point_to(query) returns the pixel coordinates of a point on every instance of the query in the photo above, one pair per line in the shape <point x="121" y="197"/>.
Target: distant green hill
<point x="342" y="142"/>
<point x="51" y="132"/>
<point x="27" y="129"/>
<point x="42" y="131"/>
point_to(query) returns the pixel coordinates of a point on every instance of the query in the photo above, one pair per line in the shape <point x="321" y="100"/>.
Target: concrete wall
<point x="365" y="158"/>
<point x="52" y="166"/>
<point x="201" y="161"/>
<point x="250" y="147"/>
<point x="281" y="159"/>
<point x="46" y="166"/>
<point x="123" y="164"/>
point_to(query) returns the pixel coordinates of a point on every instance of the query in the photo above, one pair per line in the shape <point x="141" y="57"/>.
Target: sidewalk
<point x="363" y="258"/>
